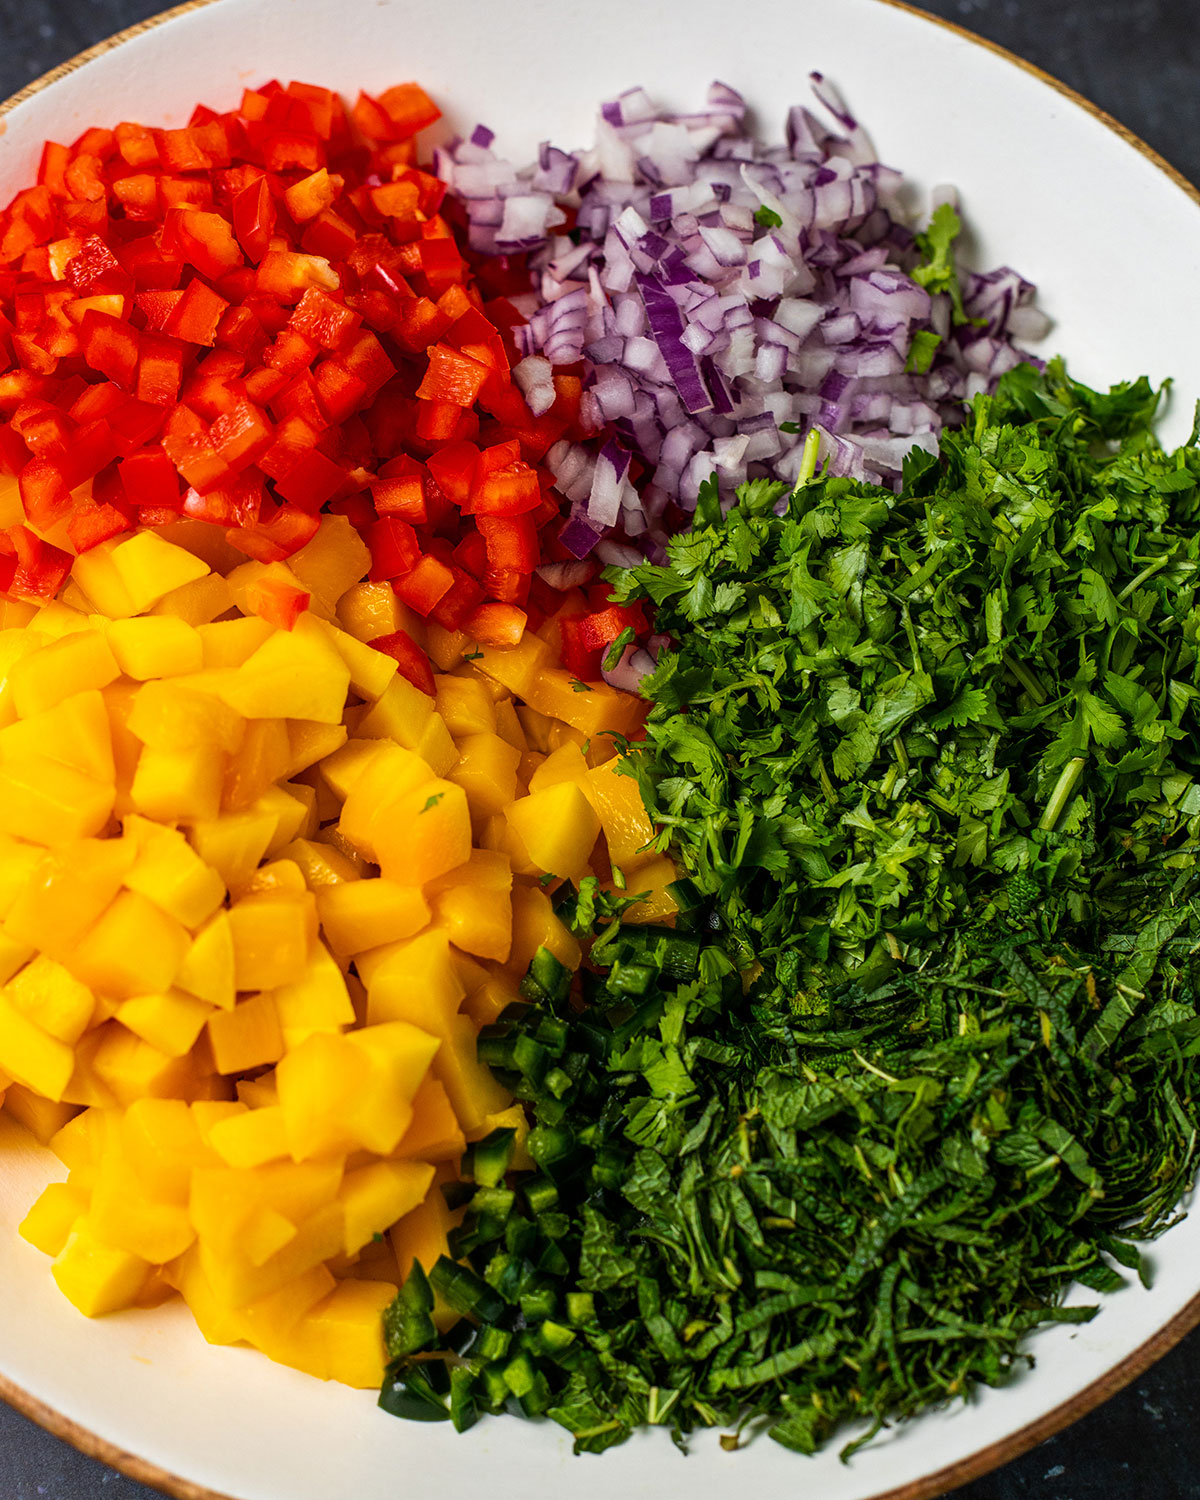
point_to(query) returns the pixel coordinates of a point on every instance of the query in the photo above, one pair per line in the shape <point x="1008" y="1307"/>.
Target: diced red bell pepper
<point x="395" y="550"/>
<point x="511" y="542"/>
<point x="452" y="377"/>
<point x="241" y="435"/>
<point x="150" y="481"/>
<point x="197" y="315"/>
<point x="454" y="467"/>
<point x="310" y="481"/>
<point x="137" y="144"/>
<point x="93" y="524"/>
<point x="111" y="347"/>
<point x="513" y="491"/>
<point x="313" y="194"/>
<point x="205" y="240"/>
<point x="341" y="393"/>
<point x="460" y="600"/>
<point x="44" y="497"/>
<point x="423" y="587"/>
<point x="159" y="369"/>
<point x="91" y="448"/>
<point x="321" y="320"/>
<point x="495" y="624"/>
<point x="189" y="445"/>
<point x="402" y="493"/>
<point x="408" y="656"/>
<point x="41" y="569"/>
<point x="275" y="538"/>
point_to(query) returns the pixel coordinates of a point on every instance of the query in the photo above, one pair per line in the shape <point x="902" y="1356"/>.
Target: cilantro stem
<point x="1147" y="572"/>
<point x="1068" y="777"/>
<point x="1026" y="678"/>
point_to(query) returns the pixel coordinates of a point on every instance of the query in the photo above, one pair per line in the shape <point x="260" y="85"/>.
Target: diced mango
<point x="52" y="998"/>
<point x="368" y="610"/>
<point x="473" y="1091"/>
<point x="602" y="709"/>
<point x="310" y="743"/>
<point x="42" y="1117"/>
<point x="423" y="1233"/>
<point x="49" y="1223"/>
<point x="66" y="892"/>
<point x="517" y="667"/>
<point x="435" y="1134"/>
<point x="487" y="771"/>
<point x="474" y="905"/>
<point x="465" y="705"/>
<point x="207" y="970"/>
<point x="97" y="1278"/>
<point x="31" y="1056"/>
<point x="162" y="1142"/>
<point x="292" y="807"/>
<point x="414" y="981"/>
<point x="134" y="949"/>
<point x="155" y="646"/>
<point x="558" y="827"/>
<point x="321" y="865"/>
<point x="228" y="643"/>
<point x="178" y="786"/>
<point x="75" y="731"/>
<point x="374" y="1197"/>
<point x="332" y="562"/>
<point x="248" y="1036"/>
<point x="651" y="881"/>
<point x="401" y="714"/>
<point x="75" y="663"/>
<point x="379" y="780"/>
<point x="234" y="844"/>
<point x="360" y="914"/>
<point x="317" y="1001"/>
<point x="294" y="674"/>
<point x="371" y="671"/>
<point x="263" y="759"/>
<point x="170" y="1022"/>
<point x="423" y="834"/>
<point x="198" y="602"/>
<point x="49" y="803"/>
<point x="125" y="1216"/>
<point x="132" y="1069"/>
<point x="250" y="1139"/>
<point x="535" y="925"/>
<point x="272" y="939"/>
<point x="150" y="567"/>
<point x="627" y="826"/>
<point x="174" y="716"/>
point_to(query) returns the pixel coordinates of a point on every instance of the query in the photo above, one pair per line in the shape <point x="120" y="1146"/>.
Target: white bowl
<point x="1111" y="235"/>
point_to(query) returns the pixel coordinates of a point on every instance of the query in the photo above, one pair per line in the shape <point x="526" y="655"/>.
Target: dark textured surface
<point x="1140" y="60"/>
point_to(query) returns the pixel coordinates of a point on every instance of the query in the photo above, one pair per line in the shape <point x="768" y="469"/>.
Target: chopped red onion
<point x="726" y="297"/>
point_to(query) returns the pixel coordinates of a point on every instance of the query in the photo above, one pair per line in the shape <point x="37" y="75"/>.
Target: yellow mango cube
<point x="155" y="646"/>
<point x="178" y="786"/>
<point x="379" y="780"/>
<point x="360" y="914"/>
<point x="424" y="834"/>
<point x="76" y="732"/>
<point x="46" y="802"/>
<point x="414" y="981"/>
<point x="651" y="882"/>
<point x="566" y="763"/>
<point x="65" y="893"/>
<point x="169" y="872"/>
<point x="294" y="674"/>
<point x="150" y="567"/>
<point x="251" y="1139"/>
<point x="43" y="1118"/>
<point x="536" y="925"/>
<point x="126" y="1217"/>
<point x="558" y="827"/>
<point x="400" y="714"/>
<point x="277" y="1322"/>
<point x="234" y="844"/>
<point x="374" y="1197"/>
<point x="371" y="671"/>
<point x="628" y="830"/>
<point x="134" y="949"/>
<point x="173" y="715"/>
<point x="170" y="1022"/>
<point x="97" y="1278"/>
<point x="262" y="759"/>
<point x="52" y="998"/>
<point x="509" y="727"/>
<point x="131" y="1069"/>
<point x="32" y="1056"/>
<point x="229" y="643"/>
<point x="48" y="1224"/>
<point x="198" y="602"/>
<point x="310" y="743"/>
<point x="465" y="705"/>
<point x="18" y="861"/>
<point x="292" y="807"/>
<point x="208" y="968"/>
<point x="486" y="770"/>
<point x="248" y="1036"/>
<point x="474" y="1092"/>
<point x="478" y="917"/>
<point x="435" y="1134"/>
<point x="162" y="1143"/>
<point x="368" y="610"/>
<point x="272" y="938"/>
<point x="75" y="663"/>
<point x="320" y="864"/>
<point x="317" y="1001"/>
<point x="517" y="667"/>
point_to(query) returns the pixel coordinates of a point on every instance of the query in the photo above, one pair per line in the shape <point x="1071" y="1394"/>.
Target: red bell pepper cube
<point x="91" y="448"/>
<point x="279" y="603"/>
<point x="136" y="144"/>
<point x="424" y="586"/>
<point x="311" y="480"/>
<point x="300" y="398"/>
<point x="321" y="107"/>
<point x="159" y="369"/>
<point x="138" y="196"/>
<point x="84" y="178"/>
<point x="149" y="267"/>
<point x="395" y="550"/>
<point x="329" y="235"/>
<point x="452" y="377"/>
<point x="188" y="444"/>
<point x="357" y="509"/>
<point x="156" y="307"/>
<point x="341" y="392"/>
<point x="418" y="322"/>
<point x="43" y="428"/>
<point x="41" y="569"/>
<point x="313" y="194"/>
<point x="409" y="108"/>
<point x="241" y="435"/>
<point x="441" y="422"/>
<point x="460" y="600"/>
<point x="279" y="149"/>
<point x="291" y="352"/>
<point x="150" y="481"/>
<point x="322" y="320"/>
<point x="502" y="400"/>
<point x="494" y="624"/>
<point x="397" y="200"/>
<point x="372" y="120"/>
<point x="14" y="455"/>
<point x="52" y="169"/>
<point x="408" y="656"/>
<point x="507" y="585"/>
<point x="197" y="315"/>
<point x="513" y="491"/>
<point x="204" y="240"/>
<point x="401" y="493"/>
<point x="111" y="347"/>
<point x="366" y="357"/>
<point x="93" y="524"/>
<point x="455" y="467"/>
<point x="511" y="542"/>
<point x="471" y="554"/>
<point x="253" y="214"/>
<point x="45" y="498"/>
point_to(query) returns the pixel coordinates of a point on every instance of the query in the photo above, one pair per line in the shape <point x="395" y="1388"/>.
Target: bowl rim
<point x="930" y="1486"/>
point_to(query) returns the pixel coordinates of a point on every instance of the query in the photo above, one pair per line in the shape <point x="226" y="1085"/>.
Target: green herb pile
<point x="922" y="1050"/>
<point x="888" y="716"/>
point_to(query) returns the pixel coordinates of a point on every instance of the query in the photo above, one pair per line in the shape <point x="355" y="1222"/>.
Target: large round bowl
<point x="1049" y="186"/>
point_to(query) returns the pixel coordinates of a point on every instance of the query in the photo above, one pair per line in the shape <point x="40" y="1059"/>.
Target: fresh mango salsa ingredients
<point x="747" y="987"/>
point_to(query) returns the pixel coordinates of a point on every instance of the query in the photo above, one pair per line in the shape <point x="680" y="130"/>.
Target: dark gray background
<point x="1140" y="60"/>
